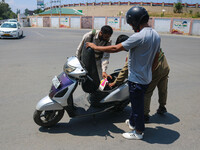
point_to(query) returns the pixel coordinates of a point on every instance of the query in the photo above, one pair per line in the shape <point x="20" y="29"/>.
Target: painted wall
<point x="114" y="22"/>
<point x="196" y="27"/>
<point x="55" y="22"/>
<point x="99" y="22"/>
<point x="46" y="22"/>
<point x="33" y="22"/>
<point x="124" y="25"/>
<point x="163" y="25"/>
<point x="64" y="22"/>
<point x="181" y="26"/>
<point x="75" y="22"/>
<point x="86" y="22"/>
<point x="40" y="21"/>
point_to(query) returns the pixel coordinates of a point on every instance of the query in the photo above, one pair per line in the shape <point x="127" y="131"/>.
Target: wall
<point x="120" y="8"/>
<point x="162" y="25"/>
<point x="196" y="27"/>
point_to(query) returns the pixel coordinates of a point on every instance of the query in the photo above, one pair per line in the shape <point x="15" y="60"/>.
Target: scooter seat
<point x="89" y="63"/>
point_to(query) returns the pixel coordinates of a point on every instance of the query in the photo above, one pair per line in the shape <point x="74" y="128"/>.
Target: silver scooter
<point x="50" y="110"/>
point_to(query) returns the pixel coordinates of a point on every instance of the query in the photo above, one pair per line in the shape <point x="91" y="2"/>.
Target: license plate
<point x="7" y="34"/>
<point x="56" y="82"/>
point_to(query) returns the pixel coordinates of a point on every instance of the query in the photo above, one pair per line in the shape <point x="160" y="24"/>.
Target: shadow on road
<point x="103" y="125"/>
<point x="167" y="118"/>
<point x="100" y="125"/>
<point x="160" y="135"/>
<point x="13" y="38"/>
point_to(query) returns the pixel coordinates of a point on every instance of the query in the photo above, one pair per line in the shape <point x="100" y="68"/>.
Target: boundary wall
<point x="120" y="8"/>
<point x="162" y="25"/>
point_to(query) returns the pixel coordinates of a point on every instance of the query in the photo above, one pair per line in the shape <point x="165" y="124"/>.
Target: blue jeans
<point x="136" y="94"/>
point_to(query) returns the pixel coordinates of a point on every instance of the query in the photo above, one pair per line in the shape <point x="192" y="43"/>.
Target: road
<point x="28" y="65"/>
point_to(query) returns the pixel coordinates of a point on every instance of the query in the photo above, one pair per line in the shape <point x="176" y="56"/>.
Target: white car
<point x="11" y="30"/>
<point x="12" y="20"/>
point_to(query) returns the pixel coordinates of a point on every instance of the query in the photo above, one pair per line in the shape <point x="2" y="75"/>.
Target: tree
<point x="18" y="11"/>
<point x="178" y="7"/>
<point x="6" y="12"/>
<point x="26" y="12"/>
<point x="37" y="11"/>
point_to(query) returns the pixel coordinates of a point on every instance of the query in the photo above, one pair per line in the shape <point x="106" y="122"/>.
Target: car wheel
<point x="18" y="36"/>
<point x="22" y="34"/>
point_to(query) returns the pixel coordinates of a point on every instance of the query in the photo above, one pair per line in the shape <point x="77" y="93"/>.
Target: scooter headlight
<point x="68" y="68"/>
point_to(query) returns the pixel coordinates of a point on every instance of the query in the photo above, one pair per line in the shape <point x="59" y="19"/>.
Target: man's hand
<point x="111" y="84"/>
<point x="105" y="75"/>
<point x="92" y="45"/>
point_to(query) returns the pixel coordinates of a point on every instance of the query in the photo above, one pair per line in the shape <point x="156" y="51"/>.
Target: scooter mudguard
<point x="48" y="104"/>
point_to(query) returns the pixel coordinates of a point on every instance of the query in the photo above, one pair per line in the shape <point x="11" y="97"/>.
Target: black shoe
<point x="146" y="118"/>
<point x="161" y="110"/>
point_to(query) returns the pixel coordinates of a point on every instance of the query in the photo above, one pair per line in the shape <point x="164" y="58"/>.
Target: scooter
<point x="50" y="110"/>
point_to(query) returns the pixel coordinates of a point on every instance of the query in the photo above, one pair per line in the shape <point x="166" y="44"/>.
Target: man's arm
<point x="86" y="38"/>
<point x="105" y="62"/>
<point x="79" y="48"/>
<point x="123" y="74"/>
<point x="108" y="49"/>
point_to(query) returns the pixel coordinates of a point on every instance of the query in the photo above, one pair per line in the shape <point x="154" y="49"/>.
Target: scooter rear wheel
<point x="47" y="118"/>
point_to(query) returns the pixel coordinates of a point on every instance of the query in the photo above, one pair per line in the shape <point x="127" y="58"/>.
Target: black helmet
<point x="136" y="16"/>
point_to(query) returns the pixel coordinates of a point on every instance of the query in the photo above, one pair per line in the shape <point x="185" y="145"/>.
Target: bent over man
<point x="100" y="38"/>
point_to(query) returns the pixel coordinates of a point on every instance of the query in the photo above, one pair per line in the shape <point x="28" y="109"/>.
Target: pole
<point x="51" y="8"/>
<point x="60" y="7"/>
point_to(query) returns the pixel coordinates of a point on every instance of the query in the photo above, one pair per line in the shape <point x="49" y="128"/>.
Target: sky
<point x="32" y="4"/>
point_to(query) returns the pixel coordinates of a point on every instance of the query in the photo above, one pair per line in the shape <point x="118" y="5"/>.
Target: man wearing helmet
<point x="142" y="47"/>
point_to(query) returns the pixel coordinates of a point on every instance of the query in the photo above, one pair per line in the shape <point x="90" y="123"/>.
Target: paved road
<point x="27" y="66"/>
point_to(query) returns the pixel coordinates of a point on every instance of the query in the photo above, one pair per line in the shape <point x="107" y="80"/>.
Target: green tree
<point x="18" y="11"/>
<point x="37" y="11"/>
<point x="178" y="7"/>
<point x="26" y="11"/>
<point x="6" y="12"/>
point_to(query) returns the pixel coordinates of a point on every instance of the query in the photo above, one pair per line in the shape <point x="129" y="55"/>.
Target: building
<point x="61" y="12"/>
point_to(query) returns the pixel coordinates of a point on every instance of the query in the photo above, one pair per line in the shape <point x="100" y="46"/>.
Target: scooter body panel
<point x="120" y="94"/>
<point x="48" y="104"/>
<point x="57" y="98"/>
<point x="62" y="93"/>
<point x="63" y="99"/>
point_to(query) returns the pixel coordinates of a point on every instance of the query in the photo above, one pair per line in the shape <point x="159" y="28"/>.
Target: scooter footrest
<point x="80" y="112"/>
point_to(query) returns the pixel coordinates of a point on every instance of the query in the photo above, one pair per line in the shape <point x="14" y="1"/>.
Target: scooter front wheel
<point x="47" y="118"/>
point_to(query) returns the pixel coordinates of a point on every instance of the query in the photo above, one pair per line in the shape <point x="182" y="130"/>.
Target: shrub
<point x="178" y="8"/>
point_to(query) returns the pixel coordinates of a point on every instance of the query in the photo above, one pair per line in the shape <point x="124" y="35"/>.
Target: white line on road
<point x="38" y="33"/>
